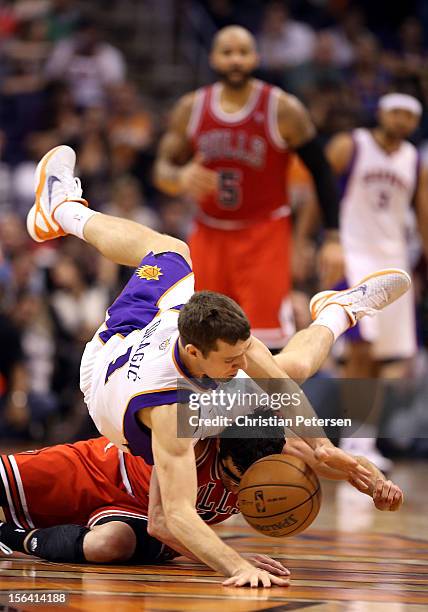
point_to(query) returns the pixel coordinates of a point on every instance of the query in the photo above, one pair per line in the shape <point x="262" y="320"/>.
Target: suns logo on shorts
<point x="149" y="272"/>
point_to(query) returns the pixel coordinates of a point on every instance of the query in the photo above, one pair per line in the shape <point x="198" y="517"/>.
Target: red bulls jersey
<point x="83" y="482"/>
<point x="214" y="503"/>
<point x="247" y="151"/>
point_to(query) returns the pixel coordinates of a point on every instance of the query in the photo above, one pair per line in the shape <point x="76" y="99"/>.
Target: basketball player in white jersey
<point x="158" y="332"/>
<point x="381" y="181"/>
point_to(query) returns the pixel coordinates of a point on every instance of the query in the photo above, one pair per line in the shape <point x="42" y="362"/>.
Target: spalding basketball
<point x="279" y="496"/>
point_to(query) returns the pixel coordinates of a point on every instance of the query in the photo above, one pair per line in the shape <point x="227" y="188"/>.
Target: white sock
<point x="335" y="318"/>
<point x="72" y="217"/>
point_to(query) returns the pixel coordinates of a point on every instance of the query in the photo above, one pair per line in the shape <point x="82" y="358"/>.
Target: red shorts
<point x="63" y="484"/>
<point x="252" y="266"/>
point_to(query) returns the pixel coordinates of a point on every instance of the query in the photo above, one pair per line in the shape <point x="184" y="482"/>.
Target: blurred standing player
<point x="381" y="180"/>
<point x="228" y="146"/>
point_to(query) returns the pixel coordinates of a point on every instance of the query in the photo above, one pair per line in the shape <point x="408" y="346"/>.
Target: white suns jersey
<point x="377" y="199"/>
<point x="142" y="370"/>
<point x="139" y="370"/>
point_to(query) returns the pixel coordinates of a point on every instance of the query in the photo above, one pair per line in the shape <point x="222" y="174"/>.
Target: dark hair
<point x="208" y="317"/>
<point x="245" y="451"/>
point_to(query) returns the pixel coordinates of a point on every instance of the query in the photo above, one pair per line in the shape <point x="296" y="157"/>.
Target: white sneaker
<point x="372" y="294"/>
<point x="55" y="183"/>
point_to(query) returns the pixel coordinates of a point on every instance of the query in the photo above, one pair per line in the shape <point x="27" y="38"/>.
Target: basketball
<point x="279" y="496"/>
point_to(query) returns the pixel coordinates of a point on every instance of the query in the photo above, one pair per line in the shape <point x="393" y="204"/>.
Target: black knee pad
<point x="60" y="543"/>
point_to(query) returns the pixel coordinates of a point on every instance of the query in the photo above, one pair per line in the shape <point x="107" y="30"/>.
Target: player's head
<point x="215" y="333"/>
<point x="399" y="115"/>
<point x="236" y="453"/>
<point x="234" y="56"/>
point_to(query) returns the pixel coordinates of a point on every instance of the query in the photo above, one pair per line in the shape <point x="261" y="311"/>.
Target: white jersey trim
<point x="272" y="123"/>
<point x="124" y="473"/>
<point x="243" y="112"/>
<point x="21" y="490"/>
<point x="178" y="293"/>
<point x="196" y="113"/>
<point x="105" y="513"/>
<point x="8" y="495"/>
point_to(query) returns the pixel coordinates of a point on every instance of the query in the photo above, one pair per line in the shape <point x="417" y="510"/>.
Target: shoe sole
<point x="326" y="294"/>
<point x="36" y="233"/>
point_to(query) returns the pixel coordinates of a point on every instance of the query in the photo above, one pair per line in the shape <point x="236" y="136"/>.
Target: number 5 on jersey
<point x="230" y="192"/>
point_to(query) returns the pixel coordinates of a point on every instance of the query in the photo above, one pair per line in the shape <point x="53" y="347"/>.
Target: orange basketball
<point x="279" y="496"/>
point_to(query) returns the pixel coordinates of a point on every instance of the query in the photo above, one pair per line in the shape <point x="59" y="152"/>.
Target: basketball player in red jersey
<point x="228" y="147"/>
<point x="113" y="511"/>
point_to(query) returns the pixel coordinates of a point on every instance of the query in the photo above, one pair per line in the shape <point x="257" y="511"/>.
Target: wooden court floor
<point x="353" y="558"/>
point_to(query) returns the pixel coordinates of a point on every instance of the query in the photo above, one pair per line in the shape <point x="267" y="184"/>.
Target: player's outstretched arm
<point x="385" y="494"/>
<point x="158" y="529"/>
<point x="262" y="367"/>
<point x="176" y="470"/>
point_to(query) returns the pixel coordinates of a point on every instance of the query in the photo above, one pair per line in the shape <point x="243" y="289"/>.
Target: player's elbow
<point x="156" y="525"/>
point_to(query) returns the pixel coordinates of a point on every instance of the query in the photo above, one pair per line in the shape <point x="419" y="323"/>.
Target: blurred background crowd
<point x="101" y="77"/>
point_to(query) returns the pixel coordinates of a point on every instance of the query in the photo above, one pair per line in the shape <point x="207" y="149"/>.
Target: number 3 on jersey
<point x="230" y="192"/>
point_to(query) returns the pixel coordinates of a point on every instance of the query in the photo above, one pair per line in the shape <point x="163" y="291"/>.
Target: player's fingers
<point x="254" y="583"/>
<point x="201" y="186"/>
<point x="397" y="501"/>
<point x="200" y="182"/>
<point x="385" y="489"/>
<point x="392" y="491"/>
<point x="205" y="174"/>
<point x="230" y="581"/>
<point x="280" y="581"/>
<point x="243" y="580"/>
<point x="198" y="192"/>
<point x="378" y="489"/>
<point x="268" y="567"/>
<point x="363" y="472"/>
<point x="359" y="482"/>
<point x="276" y="564"/>
<point x="266" y="579"/>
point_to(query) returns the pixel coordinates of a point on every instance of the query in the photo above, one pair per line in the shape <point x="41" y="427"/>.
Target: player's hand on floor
<point x="196" y="180"/>
<point x="255" y="577"/>
<point x="387" y="495"/>
<point x="266" y="563"/>
<point x="338" y="459"/>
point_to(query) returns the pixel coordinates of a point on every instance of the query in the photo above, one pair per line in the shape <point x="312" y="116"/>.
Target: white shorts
<point x="392" y="331"/>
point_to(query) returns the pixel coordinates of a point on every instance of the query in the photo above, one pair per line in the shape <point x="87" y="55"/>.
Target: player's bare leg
<point x="112" y="542"/>
<point x="126" y="242"/>
<point x="59" y="209"/>
<point x="305" y="353"/>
